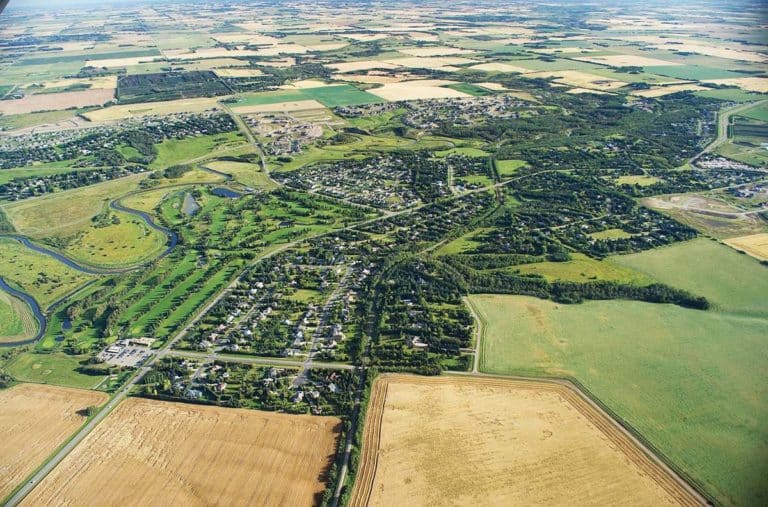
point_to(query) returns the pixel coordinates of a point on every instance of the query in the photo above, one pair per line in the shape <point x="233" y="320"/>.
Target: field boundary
<point x="633" y="448"/>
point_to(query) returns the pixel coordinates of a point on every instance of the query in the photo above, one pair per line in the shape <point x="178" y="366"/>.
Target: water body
<point x="225" y="192"/>
<point x="190" y="206"/>
<point x="36" y="311"/>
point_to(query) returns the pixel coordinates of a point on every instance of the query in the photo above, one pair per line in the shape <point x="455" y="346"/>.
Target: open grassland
<point x="583" y="269"/>
<point x="474" y="440"/>
<point x="20" y="121"/>
<point x="195" y="455"/>
<point x="52" y="368"/>
<point x="250" y="175"/>
<point x="176" y="151"/>
<point x="147" y="201"/>
<point x="755" y="245"/>
<point x="34" y="421"/>
<point x="16" y="319"/>
<point x="693" y="383"/>
<point x="39" y="275"/>
<point x="734" y="283"/>
<point x="128" y="242"/>
<point x="120" y="112"/>
<point x="64" y="213"/>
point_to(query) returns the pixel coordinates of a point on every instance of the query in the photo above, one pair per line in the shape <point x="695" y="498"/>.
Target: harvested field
<point x="196" y="105"/>
<point x="437" y="62"/>
<point x="750" y="84"/>
<point x="281" y="107"/>
<point x="624" y="60"/>
<point x="361" y="65"/>
<point x="56" y="101"/>
<point x="499" y="67"/>
<point x="492" y="86"/>
<point x="579" y="79"/>
<point x="124" y="62"/>
<point x="660" y="91"/>
<point x="755" y="245"/>
<point x="417" y="90"/>
<point x="493" y="441"/>
<point x="436" y="51"/>
<point x="370" y="79"/>
<point x="194" y="455"/>
<point x="34" y="421"/>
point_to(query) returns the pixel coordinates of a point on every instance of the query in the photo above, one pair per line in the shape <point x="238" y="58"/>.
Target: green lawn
<point x="693" y="383"/>
<point x="176" y="151"/>
<point x="51" y="368"/>
<point x="508" y="168"/>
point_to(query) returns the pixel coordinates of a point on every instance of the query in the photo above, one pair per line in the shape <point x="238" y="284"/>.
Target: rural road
<point x="478" y="332"/>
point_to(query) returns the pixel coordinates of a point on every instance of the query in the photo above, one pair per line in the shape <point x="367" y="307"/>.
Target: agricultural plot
<point x="755" y="245"/>
<point x="56" y="101"/>
<point x="683" y="375"/>
<point x="196" y="455"/>
<point x="418" y="90"/>
<point x="692" y="72"/>
<point x="437" y="441"/>
<point x="329" y="96"/>
<point x="34" y="421"/>
<point x="123" y="111"/>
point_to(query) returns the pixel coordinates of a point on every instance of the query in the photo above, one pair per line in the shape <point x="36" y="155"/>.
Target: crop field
<point x="16" y="319"/>
<point x="195" y="455"/>
<point x="418" y="90"/>
<point x="39" y="275"/>
<point x="691" y="382"/>
<point x="122" y="111"/>
<point x="56" y="101"/>
<point x="693" y="72"/>
<point x="755" y="245"/>
<point x="330" y="96"/>
<point x="34" y="421"/>
<point x="475" y="440"/>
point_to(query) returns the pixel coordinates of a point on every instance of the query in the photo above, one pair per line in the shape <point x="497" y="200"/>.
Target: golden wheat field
<point x="161" y="453"/>
<point x="490" y="441"/>
<point x="34" y="420"/>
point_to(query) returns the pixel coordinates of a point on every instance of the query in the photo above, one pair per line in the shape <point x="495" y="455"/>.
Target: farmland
<point x="34" y="421"/>
<point x="288" y="454"/>
<point x="463" y="434"/>
<point x="682" y="377"/>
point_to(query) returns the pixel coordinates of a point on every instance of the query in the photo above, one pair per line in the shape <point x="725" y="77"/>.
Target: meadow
<point x="17" y="321"/>
<point x="37" y="274"/>
<point x="175" y="151"/>
<point x="55" y="368"/>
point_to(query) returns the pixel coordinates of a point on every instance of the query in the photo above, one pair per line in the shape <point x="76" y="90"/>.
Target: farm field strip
<point x="387" y="440"/>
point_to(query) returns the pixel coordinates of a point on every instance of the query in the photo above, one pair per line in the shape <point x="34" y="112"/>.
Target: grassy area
<point x="250" y="175"/>
<point x="41" y="276"/>
<point x="463" y="244"/>
<point x="758" y="112"/>
<point x="463" y="150"/>
<point x="692" y="72"/>
<point x="16" y="319"/>
<point x="733" y="282"/>
<point x="731" y="95"/>
<point x="611" y="234"/>
<point x="66" y="213"/>
<point x="20" y="121"/>
<point x="38" y="170"/>
<point x="744" y="151"/>
<point x="329" y="96"/>
<point x="642" y="180"/>
<point x="176" y="151"/>
<point x="128" y="242"/>
<point x="507" y="168"/>
<point x="51" y="368"/>
<point x="582" y="269"/>
<point x="693" y="383"/>
<point x="470" y="89"/>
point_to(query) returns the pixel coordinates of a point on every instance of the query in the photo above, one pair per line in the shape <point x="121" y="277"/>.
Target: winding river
<point x="173" y="241"/>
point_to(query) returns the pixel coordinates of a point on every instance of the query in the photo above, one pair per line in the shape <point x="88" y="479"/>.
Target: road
<point x="478" y="332"/>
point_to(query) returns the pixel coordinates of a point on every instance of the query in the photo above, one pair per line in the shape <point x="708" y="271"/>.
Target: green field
<point x="759" y="112"/>
<point x="582" y="269"/>
<point x="691" y="382"/>
<point x="51" y="368"/>
<point x="39" y="275"/>
<point x="176" y="151"/>
<point x="329" y="96"/>
<point x="731" y="94"/>
<point x="16" y="319"/>
<point x="692" y="72"/>
<point x="250" y="175"/>
<point x="507" y="168"/>
<point x="470" y="89"/>
<point x="733" y="282"/>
